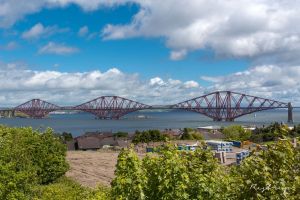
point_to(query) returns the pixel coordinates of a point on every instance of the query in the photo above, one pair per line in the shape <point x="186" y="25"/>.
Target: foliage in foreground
<point x="67" y="189"/>
<point x="28" y="158"/>
<point x="172" y="174"/>
<point x="272" y="174"/>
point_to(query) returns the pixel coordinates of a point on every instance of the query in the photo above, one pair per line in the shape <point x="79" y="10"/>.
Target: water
<point x="79" y="123"/>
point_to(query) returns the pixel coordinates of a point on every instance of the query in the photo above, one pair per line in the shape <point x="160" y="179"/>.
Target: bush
<point x="149" y="136"/>
<point x="169" y="175"/>
<point x="236" y="132"/>
<point x="120" y="134"/>
<point x="272" y="174"/>
<point x="129" y="180"/>
<point x="191" y="134"/>
<point x="63" y="188"/>
<point x="27" y="158"/>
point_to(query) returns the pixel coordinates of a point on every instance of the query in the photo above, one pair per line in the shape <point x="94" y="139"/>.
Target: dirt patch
<point x="92" y="167"/>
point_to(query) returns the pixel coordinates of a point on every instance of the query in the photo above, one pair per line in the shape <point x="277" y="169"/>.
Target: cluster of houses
<point x="97" y="140"/>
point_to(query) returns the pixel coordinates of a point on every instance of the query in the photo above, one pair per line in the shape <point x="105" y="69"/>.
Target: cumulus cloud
<point x="156" y="81"/>
<point x="266" y="81"/>
<point x="18" y="84"/>
<point x="239" y="28"/>
<point x="191" y="84"/>
<point x="39" y="30"/>
<point x="260" y="29"/>
<point x="13" y="10"/>
<point x="58" y="49"/>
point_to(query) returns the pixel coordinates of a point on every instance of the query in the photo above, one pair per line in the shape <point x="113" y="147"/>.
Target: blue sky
<point x="146" y="56"/>
<point x="168" y="50"/>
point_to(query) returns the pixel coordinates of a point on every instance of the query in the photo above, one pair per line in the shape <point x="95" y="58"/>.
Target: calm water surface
<point x="79" y="123"/>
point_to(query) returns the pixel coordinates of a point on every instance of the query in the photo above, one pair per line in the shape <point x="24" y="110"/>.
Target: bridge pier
<point x="290" y="113"/>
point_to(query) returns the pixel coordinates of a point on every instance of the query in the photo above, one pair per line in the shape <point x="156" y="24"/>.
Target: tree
<point x="207" y="178"/>
<point x="166" y="175"/>
<point x="50" y="157"/>
<point x="236" y="132"/>
<point x="129" y="180"/>
<point x="27" y="158"/>
<point x="149" y="136"/>
<point x="120" y="134"/>
<point x="191" y="134"/>
<point x="17" y="172"/>
<point x="272" y="174"/>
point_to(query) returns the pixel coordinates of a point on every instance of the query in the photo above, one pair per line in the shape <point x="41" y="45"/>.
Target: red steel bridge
<point x="220" y="105"/>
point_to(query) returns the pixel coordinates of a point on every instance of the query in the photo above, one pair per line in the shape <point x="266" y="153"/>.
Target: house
<point x="87" y="143"/>
<point x="211" y="132"/>
<point x="96" y="140"/>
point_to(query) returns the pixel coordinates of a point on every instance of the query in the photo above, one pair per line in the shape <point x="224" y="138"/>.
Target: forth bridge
<point x="219" y="106"/>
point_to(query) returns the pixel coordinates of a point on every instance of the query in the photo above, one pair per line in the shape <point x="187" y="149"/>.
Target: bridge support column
<point x="290" y="113"/>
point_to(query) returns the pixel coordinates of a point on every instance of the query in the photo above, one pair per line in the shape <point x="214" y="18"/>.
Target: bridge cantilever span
<point x="111" y="107"/>
<point x="227" y="105"/>
<point x="37" y="108"/>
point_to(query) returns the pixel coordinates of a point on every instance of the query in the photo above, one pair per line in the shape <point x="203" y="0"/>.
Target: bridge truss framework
<point x="220" y="105"/>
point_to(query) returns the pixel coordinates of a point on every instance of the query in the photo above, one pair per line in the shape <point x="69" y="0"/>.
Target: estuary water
<point x="80" y="123"/>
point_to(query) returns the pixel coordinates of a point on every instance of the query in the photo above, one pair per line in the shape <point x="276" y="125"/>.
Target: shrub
<point x="169" y="175"/>
<point x="272" y="174"/>
<point x="149" y="136"/>
<point x="236" y="132"/>
<point x="28" y="157"/>
<point x="17" y="171"/>
<point x="129" y="180"/>
<point x="61" y="189"/>
<point x="191" y="134"/>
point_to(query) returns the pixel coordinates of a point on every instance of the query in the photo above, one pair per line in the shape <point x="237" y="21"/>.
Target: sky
<point x="156" y="52"/>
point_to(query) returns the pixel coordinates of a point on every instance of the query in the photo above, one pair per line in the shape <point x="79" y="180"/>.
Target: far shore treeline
<point x="33" y="166"/>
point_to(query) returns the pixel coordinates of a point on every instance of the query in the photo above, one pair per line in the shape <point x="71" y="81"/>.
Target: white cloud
<point x="263" y="30"/>
<point x="280" y="83"/>
<point x="83" y="31"/>
<point x="156" y="81"/>
<point x="13" y="10"/>
<point x="59" y="49"/>
<point x="39" y="30"/>
<point x="18" y="84"/>
<point x="191" y="84"/>
<point x="237" y="28"/>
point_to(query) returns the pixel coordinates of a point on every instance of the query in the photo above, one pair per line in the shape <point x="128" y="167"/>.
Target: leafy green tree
<point x="129" y="180"/>
<point x="67" y="136"/>
<point x="272" y="174"/>
<point x="191" y="134"/>
<point x="17" y="172"/>
<point x="207" y="178"/>
<point x="236" y="132"/>
<point x="49" y="155"/>
<point x="120" y="134"/>
<point x="28" y="157"/>
<point x="62" y="189"/>
<point x="149" y="136"/>
<point x="166" y="175"/>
